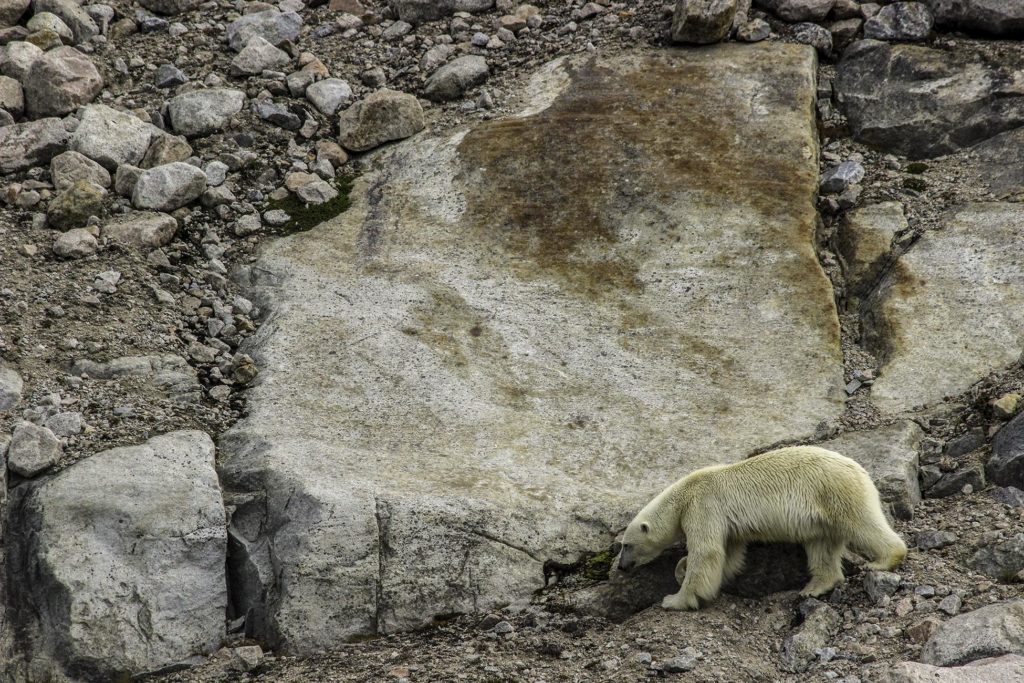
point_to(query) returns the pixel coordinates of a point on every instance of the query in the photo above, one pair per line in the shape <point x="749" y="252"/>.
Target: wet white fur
<point x="802" y="494"/>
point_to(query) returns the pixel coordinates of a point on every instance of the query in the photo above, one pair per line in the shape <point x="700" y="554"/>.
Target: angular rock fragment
<point x="121" y="559"/>
<point x="453" y="79"/>
<point x="32" y="449"/>
<point x="33" y="143"/>
<point x="702" y="21"/>
<point x="141" y="229"/>
<point x="202" y="112"/>
<point x="60" y="81"/>
<point x="380" y="117"/>
<point x="168" y="187"/>
<point x="272" y="25"/>
<point x="988" y="631"/>
<point x="112" y="137"/>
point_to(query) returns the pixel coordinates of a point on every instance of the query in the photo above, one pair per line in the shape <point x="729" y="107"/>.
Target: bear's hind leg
<point x="825" y="562"/>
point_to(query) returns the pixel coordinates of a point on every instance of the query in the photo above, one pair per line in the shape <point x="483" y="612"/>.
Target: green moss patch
<point x="307" y="216"/>
<point x="916" y="167"/>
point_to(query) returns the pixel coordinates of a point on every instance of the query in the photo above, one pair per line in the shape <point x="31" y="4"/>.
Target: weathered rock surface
<point x="865" y="238"/>
<point x="257" y="56"/>
<point x="60" y="81"/>
<point x="702" y="21"/>
<point x="12" y="97"/>
<point x="168" y="187"/>
<point x="416" y="11"/>
<point x="1006" y="466"/>
<point x="1002" y="164"/>
<point x="1002" y="561"/>
<point x="126" y="552"/>
<point x="32" y="449"/>
<point x="797" y="10"/>
<point x="989" y="631"/>
<point x="75" y="243"/>
<point x="329" y="95"/>
<point x="922" y="102"/>
<point x="513" y="358"/>
<point x="1005" y="669"/>
<point x="33" y="143"/>
<point x="380" y="117"/>
<point x="141" y="229"/>
<point x="889" y="454"/>
<point x="998" y="17"/>
<point x="111" y="137"/>
<point x="82" y="26"/>
<point x="11" y="386"/>
<point x="202" y="112"/>
<point x="456" y="77"/>
<point x="70" y="167"/>
<point x="12" y="10"/>
<point x="951" y="310"/>
<point x="900" y="21"/>
<point x="72" y="207"/>
<point x="272" y="25"/>
<point x="821" y="622"/>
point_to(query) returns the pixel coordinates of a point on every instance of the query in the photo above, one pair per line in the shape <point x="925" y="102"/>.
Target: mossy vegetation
<point x="307" y="216"/>
<point x="916" y="167"/>
<point x="916" y="184"/>
<point x="597" y="567"/>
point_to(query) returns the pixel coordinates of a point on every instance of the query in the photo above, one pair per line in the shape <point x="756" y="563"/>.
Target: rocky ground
<point x="146" y="164"/>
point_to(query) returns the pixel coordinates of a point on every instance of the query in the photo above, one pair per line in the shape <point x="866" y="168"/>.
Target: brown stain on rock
<point x="555" y="187"/>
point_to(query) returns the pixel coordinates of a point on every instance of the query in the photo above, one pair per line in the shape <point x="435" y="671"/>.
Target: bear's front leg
<point x="681" y="601"/>
<point x="681" y="571"/>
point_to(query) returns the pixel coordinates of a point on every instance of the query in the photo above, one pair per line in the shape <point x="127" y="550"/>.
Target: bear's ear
<point x="645" y="527"/>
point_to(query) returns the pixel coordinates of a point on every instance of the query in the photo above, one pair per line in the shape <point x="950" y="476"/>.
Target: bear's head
<point x="642" y="542"/>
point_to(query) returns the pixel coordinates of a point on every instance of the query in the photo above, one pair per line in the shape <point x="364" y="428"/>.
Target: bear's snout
<point x="626" y="561"/>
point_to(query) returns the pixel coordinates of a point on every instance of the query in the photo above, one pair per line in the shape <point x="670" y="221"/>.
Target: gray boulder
<point x="168" y="372"/>
<point x="453" y="79"/>
<point x="121" y="560"/>
<point x="75" y="243"/>
<point x="329" y="95"/>
<point x="380" y="117"/>
<point x="72" y="207"/>
<point x="17" y="57"/>
<point x="112" y="137"/>
<point x="168" y="187"/>
<point x="10" y="387"/>
<point x="83" y="27"/>
<point x="818" y="37"/>
<point x="257" y="56"/>
<point x="418" y="11"/>
<point x="1006" y="466"/>
<point x="272" y="25"/>
<point x="1001" y="561"/>
<point x="921" y="102"/>
<point x="1005" y="669"/>
<point x="797" y="10"/>
<point x="141" y="229"/>
<point x="69" y="167"/>
<point x="165" y="149"/>
<point x="702" y="21"/>
<point x="925" y="317"/>
<point x="900" y="21"/>
<point x="996" y="17"/>
<point x="60" y="81"/>
<point x="33" y="143"/>
<point x="989" y="631"/>
<point x="12" y="97"/>
<point x="841" y="176"/>
<point x="32" y="450"/>
<point x="12" y="10"/>
<point x="48" y="21"/>
<point x="203" y="112"/>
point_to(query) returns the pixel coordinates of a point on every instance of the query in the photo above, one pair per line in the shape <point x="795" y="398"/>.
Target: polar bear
<point x="801" y="494"/>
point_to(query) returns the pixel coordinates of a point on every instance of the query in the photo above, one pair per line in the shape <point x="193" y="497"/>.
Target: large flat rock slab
<point x="952" y="309"/>
<point x="522" y="331"/>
